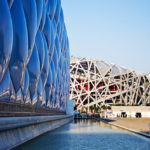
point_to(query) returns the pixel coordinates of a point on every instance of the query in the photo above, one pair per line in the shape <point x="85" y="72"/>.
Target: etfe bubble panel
<point x="34" y="53"/>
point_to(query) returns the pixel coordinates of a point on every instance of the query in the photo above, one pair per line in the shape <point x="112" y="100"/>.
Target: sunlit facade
<point x="34" y="53"/>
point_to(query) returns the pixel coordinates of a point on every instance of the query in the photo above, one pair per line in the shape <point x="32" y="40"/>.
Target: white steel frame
<point x="95" y="82"/>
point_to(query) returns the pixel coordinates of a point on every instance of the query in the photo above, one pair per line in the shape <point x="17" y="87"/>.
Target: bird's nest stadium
<point x="95" y="82"/>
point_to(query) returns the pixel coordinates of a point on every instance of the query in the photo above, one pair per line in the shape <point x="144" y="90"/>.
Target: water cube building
<point x="34" y="53"/>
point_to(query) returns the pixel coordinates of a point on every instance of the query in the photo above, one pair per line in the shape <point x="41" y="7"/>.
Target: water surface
<point x="87" y="135"/>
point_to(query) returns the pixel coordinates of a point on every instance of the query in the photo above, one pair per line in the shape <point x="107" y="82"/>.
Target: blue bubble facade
<point x="34" y="53"/>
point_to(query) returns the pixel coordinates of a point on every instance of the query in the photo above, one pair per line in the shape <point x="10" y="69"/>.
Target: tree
<point x="108" y="107"/>
<point x="97" y="109"/>
<point x="84" y="109"/>
<point x="148" y="104"/>
<point x="91" y="108"/>
<point x="103" y="107"/>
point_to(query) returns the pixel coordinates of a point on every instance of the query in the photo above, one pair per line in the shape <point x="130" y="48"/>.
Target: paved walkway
<point x="138" y="124"/>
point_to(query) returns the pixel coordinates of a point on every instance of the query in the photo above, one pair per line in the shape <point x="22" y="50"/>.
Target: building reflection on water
<point x="87" y="135"/>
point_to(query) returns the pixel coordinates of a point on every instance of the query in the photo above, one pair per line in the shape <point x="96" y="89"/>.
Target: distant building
<point x="130" y="111"/>
<point x="96" y="82"/>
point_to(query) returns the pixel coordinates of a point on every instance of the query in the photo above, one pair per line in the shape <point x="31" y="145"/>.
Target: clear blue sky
<point x="116" y="31"/>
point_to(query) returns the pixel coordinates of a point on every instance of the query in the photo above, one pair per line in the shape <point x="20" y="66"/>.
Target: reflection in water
<point x="87" y="135"/>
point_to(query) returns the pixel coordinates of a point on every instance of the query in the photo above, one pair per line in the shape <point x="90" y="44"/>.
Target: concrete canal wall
<point x="17" y="130"/>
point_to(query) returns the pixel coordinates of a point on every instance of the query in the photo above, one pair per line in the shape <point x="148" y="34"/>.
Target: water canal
<point x="87" y="135"/>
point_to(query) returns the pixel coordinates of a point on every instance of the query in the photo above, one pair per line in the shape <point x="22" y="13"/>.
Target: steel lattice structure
<point x="95" y="82"/>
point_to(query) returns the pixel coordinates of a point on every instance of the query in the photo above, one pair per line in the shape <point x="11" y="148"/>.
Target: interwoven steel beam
<point x="95" y="82"/>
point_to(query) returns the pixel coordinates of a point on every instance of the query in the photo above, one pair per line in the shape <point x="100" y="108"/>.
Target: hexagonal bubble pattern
<point x="34" y="53"/>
